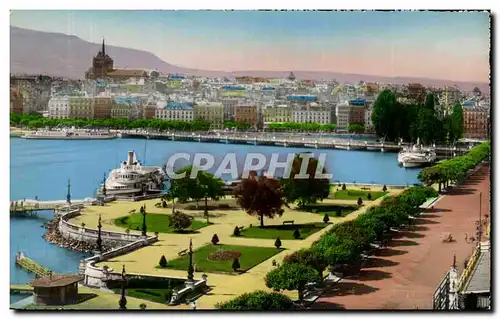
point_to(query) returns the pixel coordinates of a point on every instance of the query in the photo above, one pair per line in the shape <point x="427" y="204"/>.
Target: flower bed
<point x="224" y="255"/>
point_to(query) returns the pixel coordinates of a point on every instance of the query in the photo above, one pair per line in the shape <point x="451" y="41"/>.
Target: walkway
<point x="406" y="275"/>
<point x="224" y="287"/>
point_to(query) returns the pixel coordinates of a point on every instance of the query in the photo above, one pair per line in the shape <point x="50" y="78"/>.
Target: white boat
<point x="133" y="179"/>
<point x="416" y="156"/>
<point x="69" y="134"/>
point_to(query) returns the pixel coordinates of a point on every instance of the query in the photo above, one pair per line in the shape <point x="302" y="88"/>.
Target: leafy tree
<point x="261" y="196"/>
<point x="308" y="257"/>
<point x="430" y="101"/>
<point x="296" y="233"/>
<point x="360" y="201"/>
<point x="356" y="128"/>
<point x="277" y="243"/>
<point x="163" y="262"/>
<point x="258" y="300"/>
<point x="369" y="196"/>
<point x="211" y="187"/>
<point x="305" y="190"/>
<point x="236" y="264"/>
<point x="457" y="122"/>
<point x="384" y="189"/>
<point x="384" y="109"/>
<point x="326" y="219"/>
<point x="180" y="220"/>
<point x="215" y="239"/>
<point x="292" y="276"/>
<point x="344" y="187"/>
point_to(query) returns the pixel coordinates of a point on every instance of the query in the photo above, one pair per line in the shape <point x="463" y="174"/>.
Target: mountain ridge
<point x="63" y="55"/>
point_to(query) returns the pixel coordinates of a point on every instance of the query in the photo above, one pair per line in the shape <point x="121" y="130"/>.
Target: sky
<point x="439" y="45"/>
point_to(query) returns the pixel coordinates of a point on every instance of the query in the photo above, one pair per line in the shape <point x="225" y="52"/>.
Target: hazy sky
<point x="442" y="45"/>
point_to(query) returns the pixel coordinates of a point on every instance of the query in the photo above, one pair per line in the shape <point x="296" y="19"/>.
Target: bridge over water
<point x="317" y="142"/>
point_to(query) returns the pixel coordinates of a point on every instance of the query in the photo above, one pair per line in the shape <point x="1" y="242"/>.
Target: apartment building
<point x="277" y="114"/>
<point x="342" y="114"/>
<point x="174" y="111"/>
<point x="16" y="101"/>
<point x="311" y="114"/>
<point x="81" y="107"/>
<point x="125" y="108"/>
<point x="211" y="112"/>
<point x="247" y="114"/>
<point x="476" y="121"/>
<point x="102" y="107"/>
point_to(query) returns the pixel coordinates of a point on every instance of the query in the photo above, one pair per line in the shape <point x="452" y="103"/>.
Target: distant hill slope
<point x="57" y="54"/>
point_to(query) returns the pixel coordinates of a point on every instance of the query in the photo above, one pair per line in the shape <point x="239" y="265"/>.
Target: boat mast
<point x="145" y="150"/>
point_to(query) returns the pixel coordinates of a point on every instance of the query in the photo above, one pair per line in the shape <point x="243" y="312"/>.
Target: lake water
<point x="42" y="168"/>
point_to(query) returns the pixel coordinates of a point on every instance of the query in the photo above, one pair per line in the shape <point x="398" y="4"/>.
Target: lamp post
<point x="123" y="300"/>
<point x="190" y="276"/>
<point x="144" y="227"/>
<point x="99" y="239"/>
<point x="68" y="195"/>
<point x="104" y="186"/>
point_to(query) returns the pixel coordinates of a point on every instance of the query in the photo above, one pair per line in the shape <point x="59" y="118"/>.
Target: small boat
<point x="416" y="156"/>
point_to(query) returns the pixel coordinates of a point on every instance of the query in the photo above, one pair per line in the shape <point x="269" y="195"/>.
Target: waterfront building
<point x="277" y="114"/>
<point x="369" y="127"/>
<point x="357" y="111"/>
<point x="103" y="68"/>
<point x="81" y="107"/>
<point x="16" y="101"/>
<point x="102" y="107"/>
<point x="247" y="114"/>
<point x="229" y="105"/>
<point x="211" y="112"/>
<point x="342" y="113"/>
<point x="174" y="111"/>
<point x="476" y="120"/>
<point x="311" y="114"/>
<point x="149" y="111"/>
<point x="125" y="107"/>
<point x="59" y="107"/>
<point x="55" y="290"/>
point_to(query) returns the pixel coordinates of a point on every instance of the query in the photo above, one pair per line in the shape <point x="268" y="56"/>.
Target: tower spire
<point x="103" y="48"/>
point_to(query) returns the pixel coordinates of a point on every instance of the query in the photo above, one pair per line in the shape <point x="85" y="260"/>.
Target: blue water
<point x="42" y="168"/>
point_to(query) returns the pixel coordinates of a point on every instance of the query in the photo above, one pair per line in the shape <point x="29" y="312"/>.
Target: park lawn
<point x="250" y="257"/>
<point x="159" y="295"/>
<point x="155" y="223"/>
<point x="281" y="231"/>
<point x="352" y="194"/>
<point x="332" y="210"/>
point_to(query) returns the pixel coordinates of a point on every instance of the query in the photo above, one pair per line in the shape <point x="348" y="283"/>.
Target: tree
<point x="384" y="110"/>
<point x="187" y="188"/>
<point x="236" y="231"/>
<point x="215" y="239"/>
<point x="360" y="201"/>
<point x="305" y="190"/>
<point x="258" y="300"/>
<point x="163" y="262"/>
<point x="344" y="187"/>
<point x="261" y="196"/>
<point x="236" y="264"/>
<point x="384" y="189"/>
<point x="296" y="233"/>
<point x="309" y="257"/>
<point x="292" y="276"/>
<point x="430" y="101"/>
<point x="180" y="220"/>
<point x="457" y="122"/>
<point x="326" y="219"/>
<point x="369" y="196"/>
<point x="277" y="242"/>
<point x="142" y="306"/>
<point x="211" y="187"/>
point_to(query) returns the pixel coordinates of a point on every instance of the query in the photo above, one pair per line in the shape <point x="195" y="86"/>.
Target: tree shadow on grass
<point x="347" y="289"/>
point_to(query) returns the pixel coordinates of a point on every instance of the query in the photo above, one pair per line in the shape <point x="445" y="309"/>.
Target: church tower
<point x="102" y="63"/>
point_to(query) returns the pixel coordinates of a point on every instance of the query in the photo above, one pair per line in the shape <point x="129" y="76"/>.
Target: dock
<point x="32" y="266"/>
<point x="32" y="206"/>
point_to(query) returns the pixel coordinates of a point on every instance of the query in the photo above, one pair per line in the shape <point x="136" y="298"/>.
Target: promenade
<point x="405" y="275"/>
<point x="224" y="286"/>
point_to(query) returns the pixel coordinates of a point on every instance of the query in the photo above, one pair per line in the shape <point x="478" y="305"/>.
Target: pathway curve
<point x="405" y="275"/>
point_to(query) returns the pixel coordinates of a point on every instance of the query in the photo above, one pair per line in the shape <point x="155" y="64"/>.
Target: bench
<point x="288" y="222"/>
<point x="182" y="252"/>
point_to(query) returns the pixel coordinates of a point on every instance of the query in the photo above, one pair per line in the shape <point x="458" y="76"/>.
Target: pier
<point x="32" y="266"/>
<point x="270" y="139"/>
<point x="30" y="207"/>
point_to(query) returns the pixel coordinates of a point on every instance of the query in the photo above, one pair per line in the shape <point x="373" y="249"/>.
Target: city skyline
<point x="434" y="45"/>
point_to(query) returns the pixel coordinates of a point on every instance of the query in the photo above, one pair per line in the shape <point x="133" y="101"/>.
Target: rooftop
<point x="56" y="280"/>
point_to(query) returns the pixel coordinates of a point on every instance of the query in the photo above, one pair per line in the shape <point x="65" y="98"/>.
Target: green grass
<point x="250" y="257"/>
<point x="281" y="231"/>
<point x="155" y="223"/>
<point x="154" y="295"/>
<point x="354" y="194"/>
<point x="332" y="210"/>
